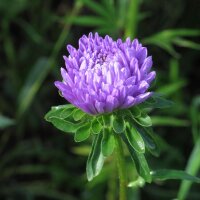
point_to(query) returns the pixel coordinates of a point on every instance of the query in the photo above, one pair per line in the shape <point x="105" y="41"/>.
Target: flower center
<point x="101" y="58"/>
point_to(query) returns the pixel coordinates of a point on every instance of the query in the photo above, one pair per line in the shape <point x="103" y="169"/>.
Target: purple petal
<point x="150" y="77"/>
<point x="142" y="87"/>
<point x="130" y="101"/>
<point x="130" y="81"/>
<point x="142" y="97"/>
<point x="111" y="103"/>
<point x="66" y="77"/>
<point x="100" y="106"/>
<point x="71" y="50"/>
<point x="146" y="66"/>
<point x="141" y="55"/>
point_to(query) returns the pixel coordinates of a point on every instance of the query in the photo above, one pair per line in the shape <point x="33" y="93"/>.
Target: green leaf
<point x="65" y="125"/>
<point x="192" y="168"/>
<point x="13" y="10"/>
<point x="89" y="21"/>
<point x="96" y="126"/>
<point x="186" y="43"/>
<point x="135" y="140"/>
<point x="157" y="101"/>
<point x="171" y="88"/>
<point x="78" y="114"/>
<point x="149" y="140"/>
<point x="107" y="143"/>
<point x="61" y="112"/>
<point x="32" y="84"/>
<point x="96" y="7"/>
<point x="96" y="159"/>
<point x="194" y="114"/>
<point x="169" y="121"/>
<point x="5" y="122"/>
<point x="66" y="113"/>
<point x="135" y="111"/>
<point x="162" y="42"/>
<point x="82" y="133"/>
<point x="105" y="30"/>
<point x="30" y="30"/>
<point x="165" y="39"/>
<point x="107" y="120"/>
<point x="118" y="124"/>
<point x="58" y="115"/>
<point x="140" y="162"/>
<point x="165" y="174"/>
<point x="144" y="120"/>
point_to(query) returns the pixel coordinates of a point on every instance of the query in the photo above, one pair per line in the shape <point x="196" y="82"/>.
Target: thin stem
<point x="112" y="185"/>
<point x="121" y="168"/>
<point x="132" y="19"/>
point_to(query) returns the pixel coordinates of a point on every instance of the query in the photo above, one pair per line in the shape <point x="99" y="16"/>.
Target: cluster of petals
<point x="104" y="75"/>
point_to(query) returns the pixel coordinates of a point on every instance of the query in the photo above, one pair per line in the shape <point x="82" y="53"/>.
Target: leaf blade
<point x="64" y="125"/>
<point x="165" y="174"/>
<point x="108" y="143"/>
<point x="143" y="120"/>
<point x="140" y="162"/>
<point x="135" y="139"/>
<point x="118" y="124"/>
<point x="192" y="168"/>
<point x="95" y="159"/>
<point x="5" y="122"/>
<point x="82" y="133"/>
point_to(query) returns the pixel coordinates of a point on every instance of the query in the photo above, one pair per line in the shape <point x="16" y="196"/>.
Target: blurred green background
<point x="39" y="162"/>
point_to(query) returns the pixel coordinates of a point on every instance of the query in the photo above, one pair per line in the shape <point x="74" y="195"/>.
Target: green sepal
<point x="135" y="140"/>
<point x="82" y="133"/>
<point x="65" y="125"/>
<point x="96" y="126"/>
<point x="143" y="120"/>
<point x="107" y="120"/>
<point x="149" y="140"/>
<point x="135" y="111"/>
<point x="95" y="159"/>
<point x="118" y="124"/>
<point x="157" y="101"/>
<point x="61" y="118"/>
<point x="140" y="162"/>
<point x="61" y="112"/>
<point x="66" y="113"/>
<point x="78" y="114"/>
<point x="107" y="143"/>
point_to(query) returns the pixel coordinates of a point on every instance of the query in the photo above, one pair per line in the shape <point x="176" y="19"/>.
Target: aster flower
<point x="105" y="80"/>
<point x="104" y="75"/>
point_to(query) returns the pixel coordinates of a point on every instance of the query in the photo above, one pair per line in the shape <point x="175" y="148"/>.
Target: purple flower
<point x="103" y="75"/>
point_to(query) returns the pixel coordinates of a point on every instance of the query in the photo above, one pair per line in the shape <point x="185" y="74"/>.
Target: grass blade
<point x="166" y="174"/>
<point x="32" y="84"/>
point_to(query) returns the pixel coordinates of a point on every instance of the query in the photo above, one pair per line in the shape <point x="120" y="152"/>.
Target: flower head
<point x="103" y="75"/>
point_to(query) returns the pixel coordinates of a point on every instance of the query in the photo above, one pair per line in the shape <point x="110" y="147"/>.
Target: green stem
<point x="121" y="168"/>
<point x="112" y="185"/>
<point x="132" y="19"/>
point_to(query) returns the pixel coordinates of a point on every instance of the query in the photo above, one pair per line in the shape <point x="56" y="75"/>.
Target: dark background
<point x="39" y="162"/>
